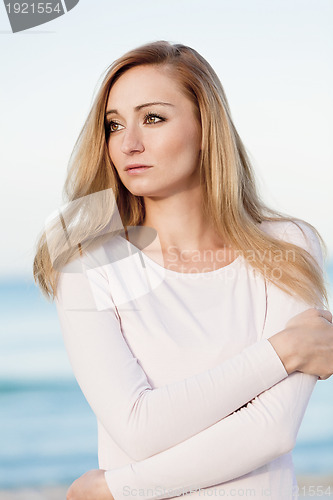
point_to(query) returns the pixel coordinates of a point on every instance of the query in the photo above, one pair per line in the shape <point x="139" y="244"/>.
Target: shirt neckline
<point x="163" y="269"/>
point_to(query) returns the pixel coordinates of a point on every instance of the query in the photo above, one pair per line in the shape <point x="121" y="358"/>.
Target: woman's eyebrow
<point x="140" y="106"/>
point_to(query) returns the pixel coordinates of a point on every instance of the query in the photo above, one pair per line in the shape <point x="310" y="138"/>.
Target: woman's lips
<point x="136" y="170"/>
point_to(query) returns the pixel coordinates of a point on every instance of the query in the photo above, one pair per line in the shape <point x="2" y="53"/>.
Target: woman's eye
<point x="151" y="117"/>
<point x="112" y="126"/>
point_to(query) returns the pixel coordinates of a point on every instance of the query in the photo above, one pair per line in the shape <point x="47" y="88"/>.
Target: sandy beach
<point x="310" y="488"/>
<point x="41" y="493"/>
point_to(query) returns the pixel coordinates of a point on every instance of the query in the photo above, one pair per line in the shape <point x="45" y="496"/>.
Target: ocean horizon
<point x="48" y="432"/>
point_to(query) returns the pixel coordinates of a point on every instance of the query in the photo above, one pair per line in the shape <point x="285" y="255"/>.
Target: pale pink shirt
<point x="189" y="394"/>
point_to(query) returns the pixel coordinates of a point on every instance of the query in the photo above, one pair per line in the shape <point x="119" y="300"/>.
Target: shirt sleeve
<point x="247" y="439"/>
<point x="143" y="420"/>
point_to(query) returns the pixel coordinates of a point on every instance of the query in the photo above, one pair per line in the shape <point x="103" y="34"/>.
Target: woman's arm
<point x="240" y="443"/>
<point x="143" y="420"/>
<point x="249" y="438"/>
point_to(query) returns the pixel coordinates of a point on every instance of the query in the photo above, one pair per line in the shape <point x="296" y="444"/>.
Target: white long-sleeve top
<point x="189" y="394"/>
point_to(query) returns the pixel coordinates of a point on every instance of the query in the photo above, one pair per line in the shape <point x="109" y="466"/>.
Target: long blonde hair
<point x="231" y="200"/>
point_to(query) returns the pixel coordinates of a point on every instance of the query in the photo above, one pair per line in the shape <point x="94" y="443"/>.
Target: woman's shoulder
<point x="83" y="282"/>
<point x="96" y="254"/>
<point x="296" y="231"/>
<point x="291" y="228"/>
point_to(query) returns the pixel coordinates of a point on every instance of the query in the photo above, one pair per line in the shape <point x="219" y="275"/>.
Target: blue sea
<point x="48" y="433"/>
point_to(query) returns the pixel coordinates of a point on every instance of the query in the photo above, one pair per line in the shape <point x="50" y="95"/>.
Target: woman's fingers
<point x="325" y="377"/>
<point x="325" y="314"/>
<point x="309" y="315"/>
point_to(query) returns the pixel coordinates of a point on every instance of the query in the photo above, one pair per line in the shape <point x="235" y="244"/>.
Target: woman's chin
<point x="142" y="190"/>
<point x="143" y="187"/>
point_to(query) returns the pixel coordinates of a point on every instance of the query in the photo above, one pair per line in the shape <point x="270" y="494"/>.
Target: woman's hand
<point x="306" y="343"/>
<point x="313" y="332"/>
<point x="90" y="486"/>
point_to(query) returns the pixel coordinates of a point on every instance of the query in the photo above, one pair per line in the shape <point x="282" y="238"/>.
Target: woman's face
<point x="165" y="137"/>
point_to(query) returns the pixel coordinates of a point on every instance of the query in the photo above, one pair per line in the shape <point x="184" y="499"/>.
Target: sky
<point x="274" y="59"/>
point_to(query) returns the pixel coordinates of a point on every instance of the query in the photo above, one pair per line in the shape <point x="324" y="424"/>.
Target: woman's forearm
<point x="240" y="443"/>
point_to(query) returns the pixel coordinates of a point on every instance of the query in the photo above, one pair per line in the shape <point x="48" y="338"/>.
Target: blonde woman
<point x="194" y="316"/>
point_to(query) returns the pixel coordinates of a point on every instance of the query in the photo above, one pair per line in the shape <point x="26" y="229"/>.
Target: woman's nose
<point x="132" y="141"/>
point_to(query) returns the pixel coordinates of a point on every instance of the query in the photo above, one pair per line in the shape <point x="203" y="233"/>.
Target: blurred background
<point x="274" y="58"/>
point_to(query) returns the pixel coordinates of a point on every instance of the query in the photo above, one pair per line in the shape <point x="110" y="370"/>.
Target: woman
<point x="199" y="354"/>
